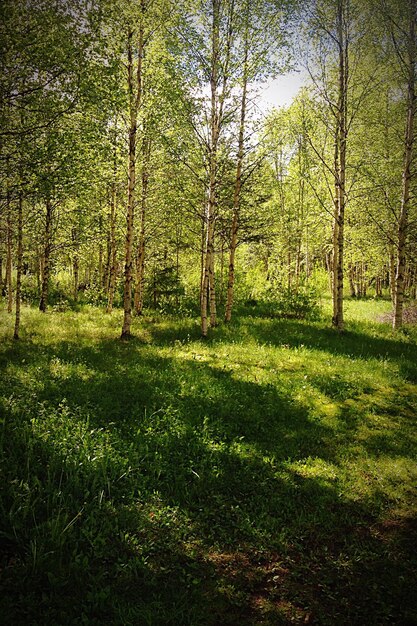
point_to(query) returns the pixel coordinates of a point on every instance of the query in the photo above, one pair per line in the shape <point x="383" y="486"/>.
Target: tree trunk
<point x="19" y="264"/>
<point x="112" y="242"/>
<point x="391" y="267"/>
<point x="112" y="253"/>
<point x="140" y="263"/>
<point x="221" y="283"/>
<point x="219" y="68"/>
<point x="177" y="262"/>
<point x="135" y="97"/>
<point x="107" y="265"/>
<point x="208" y="265"/>
<point x="100" y="265"/>
<point x="8" y="279"/>
<point x="328" y="264"/>
<point x="76" y="268"/>
<point x="46" y="260"/>
<point x="237" y="190"/>
<point x="39" y="271"/>
<point x="202" y="252"/>
<point x="413" y="286"/>
<point x="352" y="281"/>
<point x="207" y="268"/>
<point x="75" y="265"/>
<point x="340" y="171"/>
<point x="212" y="291"/>
<point x="408" y="156"/>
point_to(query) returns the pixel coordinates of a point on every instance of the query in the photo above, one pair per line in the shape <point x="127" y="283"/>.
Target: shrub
<point x="297" y="304"/>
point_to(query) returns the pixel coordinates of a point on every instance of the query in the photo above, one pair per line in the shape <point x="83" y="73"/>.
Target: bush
<point x="296" y="304"/>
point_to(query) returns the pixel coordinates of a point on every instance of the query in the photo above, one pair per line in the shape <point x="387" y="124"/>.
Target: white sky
<point x="281" y="91"/>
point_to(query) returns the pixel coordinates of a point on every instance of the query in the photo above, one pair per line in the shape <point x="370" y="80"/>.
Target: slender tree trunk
<point x="352" y="281"/>
<point x="75" y="265"/>
<point x="46" y="257"/>
<point x="408" y="156"/>
<point x="300" y="216"/>
<point x="212" y="291"/>
<point x="289" y="268"/>
<point x="202" y="253"/>
<point x="340" y="171"/>
<point x="221" y="285"/>
<point x="39" y="272"/>
<point x="140" y="264"/>
<point x="113" y="252"/>
<point x="177" y="262"/>
<point x="8" y="279"/>
<point x="219" y="73"/>
<point x="76" y="275"/>
<point x="298" y="265"/>
<point x="335" y="252"/>
<point x="208" y="265"/>
<point x="135" y="97"/>
<point x="100" y="264"/>
<point x="107" y="265"/>
<point x="391" y="268"/>
<point x="140" y="277"/>
<point x="19" y="264"/>
<point x="237" y="190"/>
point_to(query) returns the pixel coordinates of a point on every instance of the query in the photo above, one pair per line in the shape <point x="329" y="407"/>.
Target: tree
<point x="261" y="38"/>
<point x="409" y="66"/>
<point x="338" y="32"/>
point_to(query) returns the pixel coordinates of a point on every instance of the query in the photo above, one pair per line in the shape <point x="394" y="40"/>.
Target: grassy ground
<point x="265" y="476"/>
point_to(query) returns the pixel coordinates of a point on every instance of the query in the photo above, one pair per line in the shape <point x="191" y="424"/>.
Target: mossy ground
<point x="266" y="475"/>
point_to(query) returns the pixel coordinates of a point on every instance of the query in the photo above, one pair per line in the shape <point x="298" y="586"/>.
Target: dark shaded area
<point x="193" y="516"/>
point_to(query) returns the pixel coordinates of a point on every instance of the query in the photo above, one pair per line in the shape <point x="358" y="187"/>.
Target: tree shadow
<point x="236" y="543"/>
<point x="351" y="343"/>
<point x="191" y="512"/>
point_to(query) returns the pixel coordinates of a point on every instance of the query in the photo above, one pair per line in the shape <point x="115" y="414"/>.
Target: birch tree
<point x="135" y="47"/>
<point x="262" y="51"/>
<point x="338" y="39"/>
<point x="144" y="21"/>
<point x="408" y="63"/>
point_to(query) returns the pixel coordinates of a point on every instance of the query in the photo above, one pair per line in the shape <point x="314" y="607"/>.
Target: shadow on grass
<point x="158" y="492"/>
<point x="196" y="534"/>
<point x="351" y="343"/>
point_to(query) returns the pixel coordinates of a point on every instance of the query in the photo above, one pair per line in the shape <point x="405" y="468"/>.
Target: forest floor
<point x="264" y="476"/>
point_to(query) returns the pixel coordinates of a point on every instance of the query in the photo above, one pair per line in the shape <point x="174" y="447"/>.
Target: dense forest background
<point x="138" y="170"/>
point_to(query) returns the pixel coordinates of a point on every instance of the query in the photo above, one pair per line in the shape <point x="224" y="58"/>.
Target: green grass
<point x="264" y="476"/>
